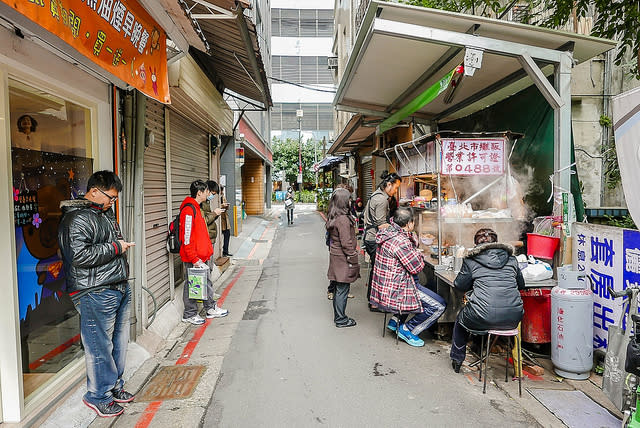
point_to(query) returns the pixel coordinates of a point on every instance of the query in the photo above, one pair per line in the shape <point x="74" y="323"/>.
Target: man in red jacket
<point x="195" y="250"/>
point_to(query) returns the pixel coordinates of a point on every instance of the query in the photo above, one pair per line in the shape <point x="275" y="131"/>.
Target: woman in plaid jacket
<point x="394" y="286"/>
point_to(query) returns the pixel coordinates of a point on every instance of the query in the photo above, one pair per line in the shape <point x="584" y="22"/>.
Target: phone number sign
<point x="472" y="156"/>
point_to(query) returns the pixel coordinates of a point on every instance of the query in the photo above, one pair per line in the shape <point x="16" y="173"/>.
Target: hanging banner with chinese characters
<point x="117" y="35"/>
<point x="610" y="257"/>
<point x="472" y="156"/>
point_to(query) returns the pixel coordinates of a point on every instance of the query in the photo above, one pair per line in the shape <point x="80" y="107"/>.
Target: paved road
<point x="289" y="366"/>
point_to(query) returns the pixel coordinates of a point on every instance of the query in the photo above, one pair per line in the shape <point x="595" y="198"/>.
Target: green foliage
<point x="305" y="196"/>
<point x="605" y="121"/>
<point x="626" y="222"/>
<point x="473" y="7"/>
<point x="285" y="157"/>
<point x="323" y="199"/>
<point x="611" y="168"/>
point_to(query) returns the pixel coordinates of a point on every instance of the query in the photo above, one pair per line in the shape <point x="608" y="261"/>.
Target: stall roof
<point x="329" y="161"/>
<point x="234" y="50"/>
<point x="411" y="38"/>
<point x="359" y="128"/>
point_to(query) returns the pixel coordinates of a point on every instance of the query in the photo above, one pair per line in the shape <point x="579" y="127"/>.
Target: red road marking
<point x="255" y="247"/>
<point x="151" y="410"/>
<point x="49" y="355"/>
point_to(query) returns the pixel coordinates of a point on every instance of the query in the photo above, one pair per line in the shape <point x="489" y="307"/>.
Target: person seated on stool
<point x="394" y="287"/>
<point x="491" y="272"/>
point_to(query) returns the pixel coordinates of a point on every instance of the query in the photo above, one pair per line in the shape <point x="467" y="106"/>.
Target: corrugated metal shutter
<point x="367" y="182"/>
<point x="155" y="208"/>
<point x="189" y="153"/>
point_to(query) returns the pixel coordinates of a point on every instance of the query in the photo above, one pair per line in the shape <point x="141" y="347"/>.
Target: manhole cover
<point x="171" y="382"/>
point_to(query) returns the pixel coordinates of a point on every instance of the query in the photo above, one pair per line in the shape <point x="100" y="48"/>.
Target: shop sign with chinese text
<point x="610" y="257"/>
<point x="472" y="156"/>
<point x="117" y="35"/>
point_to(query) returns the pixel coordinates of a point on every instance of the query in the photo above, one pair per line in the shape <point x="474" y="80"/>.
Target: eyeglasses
<point x="113" y="198"/>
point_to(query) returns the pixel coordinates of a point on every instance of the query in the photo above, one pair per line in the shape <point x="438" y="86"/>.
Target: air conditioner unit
<point x="332" y="63"/>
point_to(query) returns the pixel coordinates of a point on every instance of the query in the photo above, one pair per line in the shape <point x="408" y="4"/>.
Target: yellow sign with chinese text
<point x="117" y="35"/>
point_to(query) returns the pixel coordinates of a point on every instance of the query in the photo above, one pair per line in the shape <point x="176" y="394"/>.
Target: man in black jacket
<point x="491" y="278"/>
<point x="96" y="271"/>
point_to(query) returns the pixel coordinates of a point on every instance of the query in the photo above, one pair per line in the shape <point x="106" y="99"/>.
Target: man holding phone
<point x="96" y="271"/>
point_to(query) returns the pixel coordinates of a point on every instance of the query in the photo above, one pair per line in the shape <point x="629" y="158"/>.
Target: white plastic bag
<point x="537" y="270"/>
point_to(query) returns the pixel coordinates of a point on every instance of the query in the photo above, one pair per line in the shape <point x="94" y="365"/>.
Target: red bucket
<point x="536" y="322"/>
<point x="541" y="246"/>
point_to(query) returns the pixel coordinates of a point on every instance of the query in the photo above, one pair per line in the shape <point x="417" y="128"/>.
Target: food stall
<point x="459" y="183"/>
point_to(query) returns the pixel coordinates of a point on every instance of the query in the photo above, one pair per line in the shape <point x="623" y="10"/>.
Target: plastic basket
<point x="542" y="246"/>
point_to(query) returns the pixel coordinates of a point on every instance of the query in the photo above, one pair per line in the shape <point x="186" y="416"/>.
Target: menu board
<point x="472" y="156"/>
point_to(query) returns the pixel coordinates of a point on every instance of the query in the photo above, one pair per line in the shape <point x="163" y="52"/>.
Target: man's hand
<point x="384" y="226"/>
<point x="218" y="211"/>
<point x="200" y="264"/>
<point x="125" y="245"/>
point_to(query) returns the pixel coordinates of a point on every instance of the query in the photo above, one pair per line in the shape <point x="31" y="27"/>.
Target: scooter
<point x="631" y="417"/>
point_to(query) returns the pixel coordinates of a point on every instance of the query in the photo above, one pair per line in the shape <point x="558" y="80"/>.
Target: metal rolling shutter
<point x="189" y="158"/>
<point x="367" y="182"/>
<point x="155" y="208"/>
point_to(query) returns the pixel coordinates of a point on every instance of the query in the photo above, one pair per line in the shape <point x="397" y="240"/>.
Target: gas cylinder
<point x="572" y="325"/>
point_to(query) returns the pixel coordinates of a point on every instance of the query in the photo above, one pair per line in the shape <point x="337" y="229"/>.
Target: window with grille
<point x="302" y="22"/>
<point x="306" y="69"/>
<point x="317" y="117"/>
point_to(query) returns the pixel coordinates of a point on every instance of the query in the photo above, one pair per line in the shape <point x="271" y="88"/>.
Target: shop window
<point x="51" y="161"/>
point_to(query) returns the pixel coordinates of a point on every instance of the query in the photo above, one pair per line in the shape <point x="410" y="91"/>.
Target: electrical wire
<point x="302" y="86"/>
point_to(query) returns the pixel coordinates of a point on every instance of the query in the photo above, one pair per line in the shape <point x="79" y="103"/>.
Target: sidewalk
<point x="173" y="343"/>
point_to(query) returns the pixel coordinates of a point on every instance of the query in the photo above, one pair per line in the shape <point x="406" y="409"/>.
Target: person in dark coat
<point x="491" y="278"/>
<point x="344" y="267"/>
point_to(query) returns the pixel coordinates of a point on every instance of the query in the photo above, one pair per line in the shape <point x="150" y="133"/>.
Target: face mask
<point x="210" y="197"/>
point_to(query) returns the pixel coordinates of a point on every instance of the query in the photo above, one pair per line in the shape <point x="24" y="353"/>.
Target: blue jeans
<point x="433" y="306"/>
<point x="104" y="328"/>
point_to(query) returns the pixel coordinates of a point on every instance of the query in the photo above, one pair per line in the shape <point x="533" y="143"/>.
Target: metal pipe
<point x="138" y="213"/>
<point x="479" y="192"/>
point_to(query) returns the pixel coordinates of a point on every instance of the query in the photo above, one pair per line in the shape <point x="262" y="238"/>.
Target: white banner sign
<point x="471" y="156"/>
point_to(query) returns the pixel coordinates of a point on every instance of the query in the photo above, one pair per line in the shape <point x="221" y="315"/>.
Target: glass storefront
<point x="51" y="155"/>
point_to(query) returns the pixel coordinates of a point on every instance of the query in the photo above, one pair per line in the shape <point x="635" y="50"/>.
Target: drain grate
<point x="171" y="382"/>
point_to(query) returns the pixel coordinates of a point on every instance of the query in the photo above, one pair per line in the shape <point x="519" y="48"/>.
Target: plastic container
<point x="571" y="326"/>
<point x="542" y="246"/>
<point x="536" y="322"/>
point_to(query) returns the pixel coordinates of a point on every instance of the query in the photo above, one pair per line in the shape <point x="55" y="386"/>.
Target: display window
<point x="51" y="155"/>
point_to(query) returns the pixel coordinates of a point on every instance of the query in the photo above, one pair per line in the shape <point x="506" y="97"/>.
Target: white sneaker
<point x="195" y="320"/>
<point x="217" y="312"/>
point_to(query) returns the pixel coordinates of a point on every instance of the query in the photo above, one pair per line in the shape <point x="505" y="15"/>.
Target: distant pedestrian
<point x="289" y="204"/>
<point x="395" y="287"/>
<point x="344" y="267"/>
<point x="491" y="278"/>
<point x="376" y="214"/>
<point x="195" y="251"/>
<point x="224" y="224"/>
<point x="96" y="269"/>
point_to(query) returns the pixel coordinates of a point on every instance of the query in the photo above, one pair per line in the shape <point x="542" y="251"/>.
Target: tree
<point x="285" y="157"/>
<point x="618" y="20"/>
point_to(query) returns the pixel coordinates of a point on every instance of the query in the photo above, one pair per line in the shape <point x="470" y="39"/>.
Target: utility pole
<point x="299" y="115"/>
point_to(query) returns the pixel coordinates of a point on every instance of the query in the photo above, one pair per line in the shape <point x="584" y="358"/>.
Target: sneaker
<point x="105" y="410"/>
<point x="195" y="320"/>
<point x="392" y="324"/>
<point x="410" y="338"/>
<point x="350" y="296"/>
<point x="217" y="312"/>
<point x="456" y="365"/>
<point x="122" y="396"/>
<point x="330" y="296"/>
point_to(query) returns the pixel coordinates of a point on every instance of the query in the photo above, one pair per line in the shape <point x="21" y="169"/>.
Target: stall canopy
<point x="232" y="47"/>
<point x="330" y="161"/>
<point x="426" y="45"/>
<point x="359" y="129"/>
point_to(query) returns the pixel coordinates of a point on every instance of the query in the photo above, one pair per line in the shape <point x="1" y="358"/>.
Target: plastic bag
<point x="197" y="282"/>
<point x="537" y="270"/>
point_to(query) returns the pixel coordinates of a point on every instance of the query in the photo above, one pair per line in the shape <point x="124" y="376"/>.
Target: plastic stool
<point x="518" y="371"/>
<point x="384" y="326"/>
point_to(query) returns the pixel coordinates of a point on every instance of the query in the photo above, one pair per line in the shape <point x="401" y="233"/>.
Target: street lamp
<point x="299" y="115"/>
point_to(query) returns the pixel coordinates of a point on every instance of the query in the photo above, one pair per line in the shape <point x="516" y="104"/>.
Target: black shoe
<point x="105" y="410"/>
<point x="350" y="323"/>
<point x="456" y="365"/>
<point x="122" y="396"/>
<point x="374" y="309"/>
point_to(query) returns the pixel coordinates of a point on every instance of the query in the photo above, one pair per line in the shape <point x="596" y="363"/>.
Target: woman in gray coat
<point x="491" y="278"/>
<point x="343" y="254"/>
